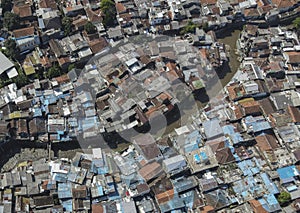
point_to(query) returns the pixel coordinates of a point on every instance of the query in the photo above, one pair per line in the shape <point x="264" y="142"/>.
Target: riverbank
<point x="68" y="149"/>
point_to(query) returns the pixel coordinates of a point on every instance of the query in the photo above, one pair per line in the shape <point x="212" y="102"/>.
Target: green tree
<point x="284" y="197"/>
<point x="109" y="10"/>
<point x="11" y="49"/>
<point x="21" y="80"/>
<point x="205" y="26"/>
<point x="296" y="23"/>
<point x="71" y="66"/>
<point x="67" y="25"/>
<point x="189" y="28"/>
<point x="53" y="71"/>
<point x="11" y="21"/>
<point x="6" y="5"/>
<point x="90" y="28"/>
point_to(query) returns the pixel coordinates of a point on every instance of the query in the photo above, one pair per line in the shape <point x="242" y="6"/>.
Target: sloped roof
<point x="147" y="145"/>
<point x="283" y="3"/>
<point x="266" y="142"/>
<point x="22" y="10"/>
<point x="28" y="31"/>
<point x="5" y="64"/>
<point x="48" y="4"/>
<point x="224" y="156"/>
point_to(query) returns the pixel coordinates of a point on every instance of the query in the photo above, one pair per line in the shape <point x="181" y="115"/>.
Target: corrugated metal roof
<point x="5" y="63"/>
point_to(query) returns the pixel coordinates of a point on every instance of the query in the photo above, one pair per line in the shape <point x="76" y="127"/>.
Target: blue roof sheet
<point x="260" y="126"/>
<point x="37" y="112"/>
<point x="100" y="190"/>
<point x="68" y="205"/>
<point x="64" y="190"/>
<point x="269" y="203"/>
<point x="271" y="187"/>
<point x="228" y="129"/>
<point x="287" y="172"/>
<point x="248" y="167"/>
<point x="175" y="203"/>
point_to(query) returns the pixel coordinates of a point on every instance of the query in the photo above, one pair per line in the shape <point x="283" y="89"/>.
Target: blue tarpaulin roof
<point x="248" y="167"/>
<point x="41" y="23"/>
<point x="271" y="187"/>
<point x="288" y="172"/>
<point x="260" y="126"/>
<point x="175" y="203"/>
<point x="37" y="112"/>
<point x="269" y="203"/>
<point x="68" y="205"/>
<point x="100" y="190"/>
<point x="64" y="190"/>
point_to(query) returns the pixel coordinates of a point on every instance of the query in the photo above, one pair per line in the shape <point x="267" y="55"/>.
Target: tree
<point x="205" y="26"/>
<point x="11" y="49"/>
<point x="90" y="28"/>
<point x="284" y="197"/>
<point x="109" y="10"/>
<point x="296" y="24"/>
<point x="189" y="28"/>
<point x="6" y="5"/>
<point x="67" y="25"/>
<point x="53" y="71"/>
<point x="20" y="80"/>
<point x="71" y="66"/>
<point x="11" y="21"/>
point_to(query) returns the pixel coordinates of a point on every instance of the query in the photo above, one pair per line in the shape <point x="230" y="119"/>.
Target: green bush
<point x="284" y="197"/>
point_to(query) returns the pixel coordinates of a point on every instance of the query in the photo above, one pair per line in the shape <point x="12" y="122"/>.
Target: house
<point x="74" y="10"/>
<point x="217" y="199"/>
<point x="37" y="126"/>
<point x="50" y="20"/>
<point x="288" y="174"/>
<point x="212" y="129"/>
<point x="250" y="107"/>
<point x="224" y="156"/>
<point x="266" y="142"/>
<point x="208" y="183"/>
<point x="94" y="16"/>
<point x="146" y="146"/>
<point x="151" y="171"/>
<point x="7" y="68"/>
<point x="163" y="191"/>
<point x="115" y="33"/>
<point x="22" y="129"/>
<point x="292" y="58"/>
<point x="42" y="202"/>
<point x="26" y="39"/>
<point x="49" y="4"/>
<point x="173" y="164"/>
<point x="129" y="207"/>
<point x="24" y="10"/>
<point x="284" y="5"/>
<point x="201" y="159"/>
<point x="224" y="6"/>
<point x="80" y="22"/>
<point x="98" y="45"/>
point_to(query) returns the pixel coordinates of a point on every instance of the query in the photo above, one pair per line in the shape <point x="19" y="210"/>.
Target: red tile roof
<point x="22" y="10"/>
<point x="48" y="4"/>
<point x="281" y="4"/>
<point x="266" y="142"/>
<point x="23" y="32"/>
<point x="98" y="44"/>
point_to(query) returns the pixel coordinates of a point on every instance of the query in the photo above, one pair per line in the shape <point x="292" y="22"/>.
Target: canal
<point x="215" y="85"/>
<point x="225" y="74"/>
<point x="230" y="39"/>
